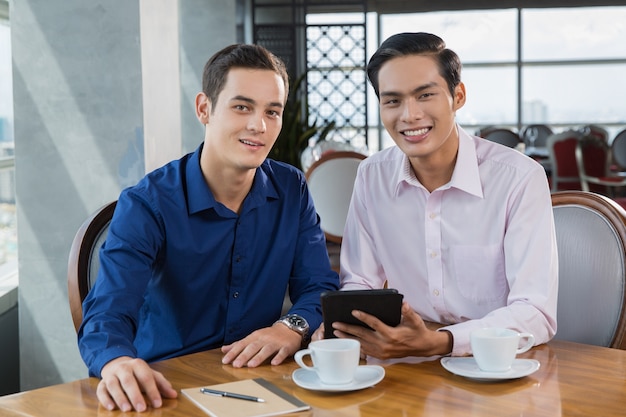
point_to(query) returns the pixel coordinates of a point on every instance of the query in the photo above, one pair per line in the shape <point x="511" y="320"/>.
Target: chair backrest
<point x="331" y="180"/>
<point x="84" y="261"/>
<point x="504" y="137"/>
<point x="593" y="157"/>
<point x="618" y="150"/>
<point x="536" y="135"/>
<point x="597" y="131"/>
<point x="562" y="155"/>
<point x="591" y="242"/>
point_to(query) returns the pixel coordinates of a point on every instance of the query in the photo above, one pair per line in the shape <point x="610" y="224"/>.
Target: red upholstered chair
<point x="595" y="131"/>
<point x="562" y="155"/>
<point x="593" y="156"/>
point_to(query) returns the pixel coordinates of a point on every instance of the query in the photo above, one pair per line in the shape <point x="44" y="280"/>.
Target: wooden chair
<point x="331" y="180"/>
<point x="83" y="264"/>
<point x="591" y="242"/>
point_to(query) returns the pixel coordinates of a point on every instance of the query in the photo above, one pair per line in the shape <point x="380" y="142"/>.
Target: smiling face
<point x="243" y="125"/>
<point x="417" y="109"/>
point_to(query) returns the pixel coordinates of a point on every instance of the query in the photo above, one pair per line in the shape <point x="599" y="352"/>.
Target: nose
<point x="256" y="123"/>
<point x="411" y="110"/>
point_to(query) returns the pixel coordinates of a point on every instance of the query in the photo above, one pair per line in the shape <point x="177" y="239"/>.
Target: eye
<point x="426" y="95"/>
<point x="241" y="107"/>
<point x="390" y="102"/>
<point x="273" y="113"/>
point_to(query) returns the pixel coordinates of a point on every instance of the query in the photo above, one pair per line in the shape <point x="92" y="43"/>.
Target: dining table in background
<point x="573" y="380"/>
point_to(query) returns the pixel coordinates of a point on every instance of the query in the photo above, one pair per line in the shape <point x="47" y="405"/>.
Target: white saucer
<point x="468" y="368"/>
<point x="364" y="377"/>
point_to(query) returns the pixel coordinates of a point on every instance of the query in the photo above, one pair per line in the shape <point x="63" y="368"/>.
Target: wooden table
<point x="574" y="380"/>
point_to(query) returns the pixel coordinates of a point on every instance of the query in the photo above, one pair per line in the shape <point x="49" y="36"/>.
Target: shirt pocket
<point x="479" y="272"/>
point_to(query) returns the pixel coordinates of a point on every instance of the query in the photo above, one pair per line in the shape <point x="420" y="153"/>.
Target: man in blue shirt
<point x="201" y="251"/>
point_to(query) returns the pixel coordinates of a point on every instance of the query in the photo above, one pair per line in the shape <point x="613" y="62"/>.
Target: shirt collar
<point x="199" y="196"/>
<point x="465" y="176"/>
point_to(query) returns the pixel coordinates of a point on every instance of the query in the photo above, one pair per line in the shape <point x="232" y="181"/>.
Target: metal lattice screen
<point x="336" y="80"/>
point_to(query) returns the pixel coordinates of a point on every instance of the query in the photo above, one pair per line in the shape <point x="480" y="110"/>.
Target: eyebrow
<point x="251" y="101"/>
<point x="414" y="91"/>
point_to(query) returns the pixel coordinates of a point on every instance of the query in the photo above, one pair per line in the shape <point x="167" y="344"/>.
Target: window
<point x="569" y="68"/>
<point x="8" y="230"/>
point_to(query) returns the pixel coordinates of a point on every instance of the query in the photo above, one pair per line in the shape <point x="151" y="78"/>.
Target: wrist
<point x="297" y="324"/>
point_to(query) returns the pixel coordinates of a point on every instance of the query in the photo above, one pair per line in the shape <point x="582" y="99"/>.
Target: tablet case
<point x="338" y="305"/>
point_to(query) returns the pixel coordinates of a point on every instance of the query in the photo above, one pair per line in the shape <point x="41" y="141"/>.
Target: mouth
<point x="250" y="143"/>
<point x="416" y="132"/>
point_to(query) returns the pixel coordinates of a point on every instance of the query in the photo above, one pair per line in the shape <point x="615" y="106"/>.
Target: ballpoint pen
<point x="231" y="395"/>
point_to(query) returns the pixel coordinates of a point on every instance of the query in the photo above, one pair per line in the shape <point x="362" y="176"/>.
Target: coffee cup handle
<point x="530" y="342"/>
<point x="298" y="357"/>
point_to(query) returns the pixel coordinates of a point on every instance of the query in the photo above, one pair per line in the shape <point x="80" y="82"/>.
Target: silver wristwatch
<point x="297" y="324"/>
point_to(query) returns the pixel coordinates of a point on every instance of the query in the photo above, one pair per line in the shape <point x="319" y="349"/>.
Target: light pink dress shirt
<point x="479" y="251"/>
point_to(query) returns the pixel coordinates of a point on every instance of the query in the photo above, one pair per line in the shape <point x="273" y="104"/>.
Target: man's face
<point x="416" y="107"/>
<point x="243" y="125"/>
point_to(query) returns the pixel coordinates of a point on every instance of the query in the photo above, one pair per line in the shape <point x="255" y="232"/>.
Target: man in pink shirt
<point x="461" y="226"/>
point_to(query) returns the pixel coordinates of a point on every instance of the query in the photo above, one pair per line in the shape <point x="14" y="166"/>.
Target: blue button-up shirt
<point x="181" y="273"/>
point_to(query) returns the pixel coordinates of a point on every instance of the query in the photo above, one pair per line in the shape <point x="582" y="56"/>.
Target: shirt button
<point x="436" y="293"/>
<point x="433" y="254"/>
<point x="238" y="259"/>
<point x="432" y="215"/>
<point x="236" y="294"/>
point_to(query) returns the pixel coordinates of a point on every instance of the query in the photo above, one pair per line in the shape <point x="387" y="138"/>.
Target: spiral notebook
<point x="276" y="402"/>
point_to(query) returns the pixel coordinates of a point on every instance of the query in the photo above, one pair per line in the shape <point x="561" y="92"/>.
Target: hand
<point x="253" y="350"/>
<point x="411" y="337"/>
<point x="318" y="334"/>
<point x="125" y="380"/>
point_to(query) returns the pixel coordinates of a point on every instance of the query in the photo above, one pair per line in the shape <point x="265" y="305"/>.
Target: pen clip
<point x="211" y="392"/>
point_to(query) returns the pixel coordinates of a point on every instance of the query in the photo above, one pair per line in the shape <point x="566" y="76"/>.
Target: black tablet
<point x="338" y="305"/>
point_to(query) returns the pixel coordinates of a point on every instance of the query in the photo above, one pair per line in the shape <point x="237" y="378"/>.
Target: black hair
<point x="238" y="56"/>
<point x="416" y="43"/>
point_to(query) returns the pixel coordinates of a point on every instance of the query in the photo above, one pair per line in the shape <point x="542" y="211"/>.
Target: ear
<point x="203" y="108"/>
<point x="459" y="96"/>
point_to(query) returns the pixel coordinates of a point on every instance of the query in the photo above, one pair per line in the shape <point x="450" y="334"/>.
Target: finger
<point x="343" y="330"/>
<point x="246" y="355"/>
<point x="280" y="356"/>
<point x="117" y="392"/>
<point x="164" y="386"/>
<point x="410" y="318"/>
<point x="371" y="321"/>
<point x="130" y="392"/>
<point x="148" y="385"/>
<point x="232" y="351"/>
<point x="104" y="398"/>
<point x="318" y="334"/>
<point x="260" y="356"/>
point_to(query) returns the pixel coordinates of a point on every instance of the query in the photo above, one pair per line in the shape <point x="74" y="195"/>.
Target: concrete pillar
<point x="90" y="119"/>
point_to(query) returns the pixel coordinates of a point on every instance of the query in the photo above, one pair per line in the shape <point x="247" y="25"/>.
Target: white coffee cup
<point x="334" y="360"/>
<point x="495" y="348"/>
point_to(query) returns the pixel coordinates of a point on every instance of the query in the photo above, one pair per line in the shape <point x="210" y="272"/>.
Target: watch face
<point x="297" y="321"/>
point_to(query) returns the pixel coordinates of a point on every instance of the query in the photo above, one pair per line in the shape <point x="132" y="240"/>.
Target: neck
<point x="229" y="185"/>
<point x="436" y="169"/>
